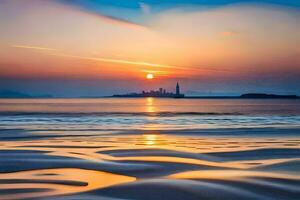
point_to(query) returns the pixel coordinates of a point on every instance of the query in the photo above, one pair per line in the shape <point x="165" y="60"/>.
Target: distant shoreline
<point x="7" y="94"/>
<point x="243" y="96"/>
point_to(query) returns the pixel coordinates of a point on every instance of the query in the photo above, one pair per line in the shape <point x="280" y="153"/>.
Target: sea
<point x="149" y="148"/>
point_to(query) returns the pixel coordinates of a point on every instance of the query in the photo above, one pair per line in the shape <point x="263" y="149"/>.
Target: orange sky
<point x="50" y="40"/>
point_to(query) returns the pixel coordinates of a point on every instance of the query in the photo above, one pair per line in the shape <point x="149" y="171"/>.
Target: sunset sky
<point x="101" y="47"/>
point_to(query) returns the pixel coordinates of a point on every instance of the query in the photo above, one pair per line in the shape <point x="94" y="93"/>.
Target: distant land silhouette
<point x="247" y="96"/>
<point x="268" y="96"/>
<point x="161" y="93"/>
<point x="14" y="94"/>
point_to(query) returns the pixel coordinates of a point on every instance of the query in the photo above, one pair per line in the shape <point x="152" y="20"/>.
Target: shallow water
<point x="149" y="149"/>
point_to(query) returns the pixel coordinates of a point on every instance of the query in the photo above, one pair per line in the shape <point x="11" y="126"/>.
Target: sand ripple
<point x="150" y="166"/>
<point x="49" y="182"/>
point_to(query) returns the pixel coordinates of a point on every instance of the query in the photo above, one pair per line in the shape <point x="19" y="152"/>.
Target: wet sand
<point x="148" y="165"/>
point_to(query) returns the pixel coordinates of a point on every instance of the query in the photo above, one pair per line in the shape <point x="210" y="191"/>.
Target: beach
<point x="149" y="148"/>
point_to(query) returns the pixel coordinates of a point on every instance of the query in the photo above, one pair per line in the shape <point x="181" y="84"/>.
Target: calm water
<point x="149" y="113"/>
<point x="145" y="149"/>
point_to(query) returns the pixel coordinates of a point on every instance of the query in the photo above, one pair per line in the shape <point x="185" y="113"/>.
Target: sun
<point x="149" y="76"/>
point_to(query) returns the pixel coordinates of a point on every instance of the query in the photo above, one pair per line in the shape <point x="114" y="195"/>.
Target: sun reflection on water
<point x="149" y="105"/>
<point x="150" y="139"/>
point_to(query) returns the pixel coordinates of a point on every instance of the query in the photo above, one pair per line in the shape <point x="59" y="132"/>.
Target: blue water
<point x="148" y="113"/>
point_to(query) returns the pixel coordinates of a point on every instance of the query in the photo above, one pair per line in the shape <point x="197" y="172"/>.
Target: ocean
<point x="149" y="148"/>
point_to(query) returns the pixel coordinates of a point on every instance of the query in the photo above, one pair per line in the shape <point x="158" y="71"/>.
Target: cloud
<point x="33" y="47"/>
<point x="119" y="61"/>
<point x="103" y="16"/>
<point x="118" y="21"/>
<point x="138" y="63"/>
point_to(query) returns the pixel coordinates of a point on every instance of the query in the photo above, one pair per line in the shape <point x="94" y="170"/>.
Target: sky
<point x="70" y="48"/>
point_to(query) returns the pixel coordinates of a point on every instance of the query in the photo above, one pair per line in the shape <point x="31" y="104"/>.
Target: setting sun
<point x="149" y="76"/>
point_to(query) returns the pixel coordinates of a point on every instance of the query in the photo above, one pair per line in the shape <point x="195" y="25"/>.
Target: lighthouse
<point x="177" y="89"/>
<point x="177" y="94"/>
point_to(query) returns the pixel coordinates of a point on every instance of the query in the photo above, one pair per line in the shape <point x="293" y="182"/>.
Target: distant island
<point x="20" y="95"/>
<point x="267" y="96"/>
<point x="247" y="96"/>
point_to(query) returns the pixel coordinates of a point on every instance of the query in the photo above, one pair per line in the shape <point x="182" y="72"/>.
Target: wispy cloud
<point x="33" y="47"/>
<point x="103" y="16"/>
<point x="110" y="60"/>
<point x="144" y="64"/>
<point x="118" y="21"/>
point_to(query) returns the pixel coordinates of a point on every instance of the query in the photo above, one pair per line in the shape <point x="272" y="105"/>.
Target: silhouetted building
<point x="177" y="89"/>
<point x="159" y="93"/>
<point x="178" y="95"/>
